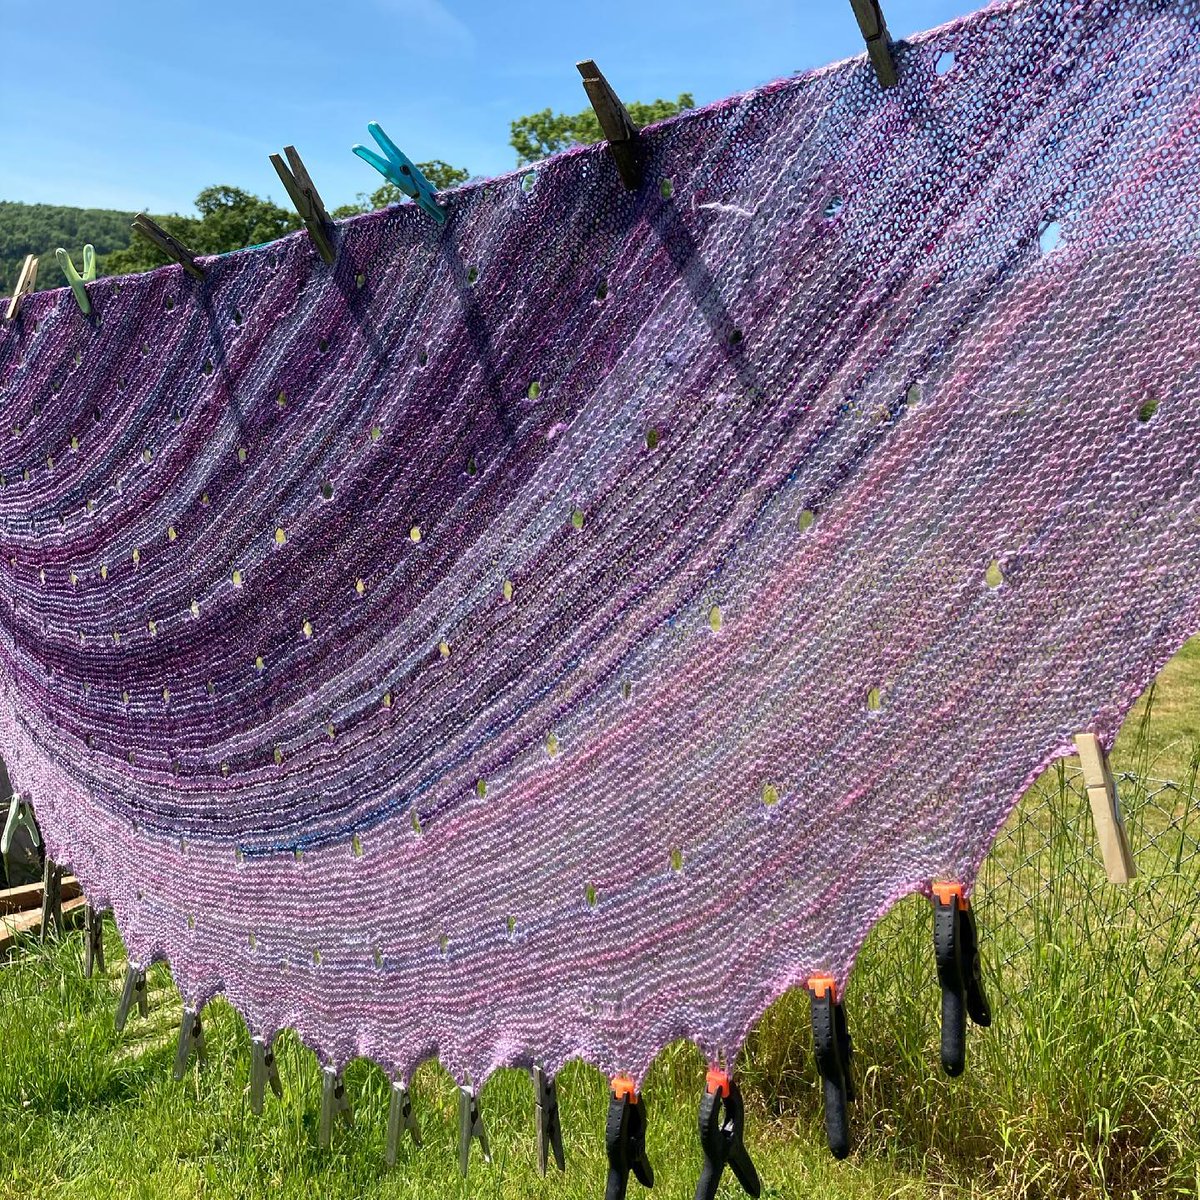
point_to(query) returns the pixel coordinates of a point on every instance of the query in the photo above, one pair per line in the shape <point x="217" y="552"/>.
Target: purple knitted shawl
<point x="562" y="631"/>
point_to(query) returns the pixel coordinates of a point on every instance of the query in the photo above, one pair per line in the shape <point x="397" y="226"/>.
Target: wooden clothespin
<point x="622" y="135"/>
<point x="25" y="284"/>
<point x="172" y="247"/>
<point x="295" y="178"/>
<point x="1106" y="809"/>
<point x="879" y="41"/>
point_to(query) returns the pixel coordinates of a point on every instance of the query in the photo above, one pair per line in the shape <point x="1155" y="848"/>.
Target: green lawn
<point x="1087" y="1085"/>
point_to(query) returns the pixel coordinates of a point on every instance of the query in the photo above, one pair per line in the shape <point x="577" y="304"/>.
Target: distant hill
<point x="41" y="228"/>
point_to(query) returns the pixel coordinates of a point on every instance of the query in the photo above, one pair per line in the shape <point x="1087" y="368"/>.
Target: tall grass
<point x="1087" y="1085"/>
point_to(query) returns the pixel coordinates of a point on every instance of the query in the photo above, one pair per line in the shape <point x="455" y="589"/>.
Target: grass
<point x="1086" y="1086"/>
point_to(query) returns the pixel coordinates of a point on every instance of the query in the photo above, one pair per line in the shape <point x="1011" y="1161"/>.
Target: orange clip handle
<point x="623" y="1088"/>
<point x="716" y="1083"/>
<point x="819" y="985"/>
<point x="951" y="893"/>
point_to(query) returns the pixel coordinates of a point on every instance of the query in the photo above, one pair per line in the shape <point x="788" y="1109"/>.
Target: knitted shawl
<point x="563" y="630"/>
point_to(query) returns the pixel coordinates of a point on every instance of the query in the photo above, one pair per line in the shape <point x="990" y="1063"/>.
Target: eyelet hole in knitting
<point x="601" y="291"/>
<point x="676" y="859"/>
<point x="507" y="591"/>
<point x="534" y="390"/>
<point x="651" y="439"/>
<point x="993" y="575"/>
<point x="913" y="396"/>
<point x="422" y="357"/>
<point x="360" y="280"/>
<point x="874" y="699"/>
<point x="237" y="316"/>
<point x="322" y="344"/>
<point x="715" y="618"/>
<point x="481" y="788"/>
<point x="735" y="337"/>
<point x="805" y="520"/>
<point x="590" y="895"/>
<point x="1145" y="413"/>
<point x="946" y="62"/>
<point x="552" y="744"/>
<point x="168" y="304"/>
<point x="1050" y="236"/>
<point x="666" y="189"/>
<point x="833" y="206"/>
<point x="577" y="518"/>
<point x="770" y="795"/>
<point x="528" y="181"/>
<point x="472" y="275"/>
<point x="356" y="846"/>
<point x="208" y="367"/>
<point x="327" y="490"/>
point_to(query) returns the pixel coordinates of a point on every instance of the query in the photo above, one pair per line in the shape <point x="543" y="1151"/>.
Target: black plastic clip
<point x="133" y="992"/>
<point x="93" y="942"/>
<point x="191" y="1038"/>
<point x="625" y="1139"/>
<point x="264" y="1070"/>
<point x="549" y="1126"/>
<point x="334" y="1103"/>
<point x="956" y="944"/>
<point x="722" y="1123"/>
<point x="470" y="1127"/>
<point x="832" y="1042"/>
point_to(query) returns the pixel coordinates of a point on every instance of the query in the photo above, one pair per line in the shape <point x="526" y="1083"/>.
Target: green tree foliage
<point x="41" y="228"/>
<point x="544" y="133"/>
<point x="230" y="219"/>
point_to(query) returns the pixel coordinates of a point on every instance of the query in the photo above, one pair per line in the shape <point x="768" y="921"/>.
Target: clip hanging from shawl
<point x="879" y="42"/>
<point x="299" y="186"/>
<point x="52" y="909"/>
<point x="20" y="816"/>
<point x="334" y="1101"/>
<point x="1106" y="809"/>
<point x="625" y="1139"/>
<point x="470" y="1127"/>
<point x="397" y="168"/>
<point x="831" y="1040"/>
<point x="25" y="285"/>
<point x="722" y="1123"/>
<point x="75" y="279"/>
<point x="93" y="942"/>
<point x="264" y="1070"/>
<point x="620" y="132"/>
<point x="400" y="1121"/>
<point x="133" y="991"/>
<point x="191" y="1038"/>
<point x="956" y="945"/>
<point x="170" y="245"/>
<point x="549" y="1125"/>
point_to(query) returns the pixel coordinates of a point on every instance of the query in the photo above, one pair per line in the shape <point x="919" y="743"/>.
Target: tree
<point x="544" y="133"/>
<point x="230" y="219"/>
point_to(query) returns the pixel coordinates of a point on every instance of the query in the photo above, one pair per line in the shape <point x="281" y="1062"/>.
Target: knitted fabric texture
<point x="562" y="631"/>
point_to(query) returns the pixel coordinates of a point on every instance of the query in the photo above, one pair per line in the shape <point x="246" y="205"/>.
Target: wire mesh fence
<point x="1045" y="871"/>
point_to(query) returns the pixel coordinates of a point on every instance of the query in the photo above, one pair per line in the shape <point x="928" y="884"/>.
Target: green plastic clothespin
<point x="19" y="814"/>
<point x="75" y="279"/>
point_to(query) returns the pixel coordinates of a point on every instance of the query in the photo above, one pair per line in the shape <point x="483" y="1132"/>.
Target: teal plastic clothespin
<point x="75" y="279"/>
<point x="19" y="814"/>
<point x="398" y="169"/>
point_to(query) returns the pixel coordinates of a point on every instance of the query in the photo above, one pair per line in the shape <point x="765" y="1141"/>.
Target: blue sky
<point x="150" y="102"/>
